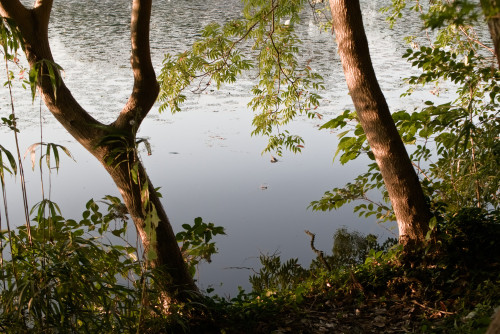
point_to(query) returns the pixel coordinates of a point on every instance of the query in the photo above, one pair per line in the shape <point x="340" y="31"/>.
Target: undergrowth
<point x="450" y="285"/>
<point x="72" y="279"/>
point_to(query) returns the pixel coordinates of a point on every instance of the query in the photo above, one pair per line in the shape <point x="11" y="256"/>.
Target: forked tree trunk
<point x="33" y="24"/>
<point x="401" y="181"/>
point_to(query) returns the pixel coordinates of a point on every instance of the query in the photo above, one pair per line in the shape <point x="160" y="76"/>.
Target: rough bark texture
<point x="491" y="9"/>
<point x="33" y="24"/>
<point x="400" y="179"/>
<point x="494" y="327"/>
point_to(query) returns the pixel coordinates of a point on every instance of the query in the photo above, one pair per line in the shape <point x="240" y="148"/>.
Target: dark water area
<point x="204" y="159"/>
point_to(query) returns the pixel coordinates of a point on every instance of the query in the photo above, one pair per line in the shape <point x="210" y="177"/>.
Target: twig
<point x="420" y="170"/>
<point x="431" y="308"/>
<point x="472" y="39"/>
<point x="20" y="162"/>
<point x="355" y="282"/>
<point x="318" y="252"/>
<point x="239" y="268"/>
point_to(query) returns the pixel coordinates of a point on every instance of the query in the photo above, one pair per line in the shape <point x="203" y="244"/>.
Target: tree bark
<point x="33" y="24"/>
<point x="491" y="10"/>
<point x="401" y="180"/>
<point x="494" y="327"/>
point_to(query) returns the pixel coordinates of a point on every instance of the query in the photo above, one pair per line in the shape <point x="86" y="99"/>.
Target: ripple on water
<point x="204" y="158"/>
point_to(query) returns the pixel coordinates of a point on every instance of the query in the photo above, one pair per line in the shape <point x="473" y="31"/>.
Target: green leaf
<point x="151" y="255"/>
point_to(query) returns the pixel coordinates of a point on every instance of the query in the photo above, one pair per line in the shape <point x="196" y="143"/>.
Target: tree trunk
<point x="33" y="24"/>
<point x="401" y="181"/>
<point x="178" y="283"/>
<point x="494" y="327"/>
<point x="491" y="10"/>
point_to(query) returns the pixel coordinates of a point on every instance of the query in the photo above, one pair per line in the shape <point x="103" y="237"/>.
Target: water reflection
<point x="217" y="171"/>
<point x="349" y="248"/>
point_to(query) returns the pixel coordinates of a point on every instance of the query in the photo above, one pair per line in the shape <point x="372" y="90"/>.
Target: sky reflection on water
<point x="204" y="159"/>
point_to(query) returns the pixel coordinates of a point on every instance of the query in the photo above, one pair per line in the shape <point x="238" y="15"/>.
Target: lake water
<point x="204" y="159"/>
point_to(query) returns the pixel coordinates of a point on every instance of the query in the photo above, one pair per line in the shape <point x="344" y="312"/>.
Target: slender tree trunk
<point x="33" y="24"/>
<point x="491" y="10"/>
<point x="401" y="181"/>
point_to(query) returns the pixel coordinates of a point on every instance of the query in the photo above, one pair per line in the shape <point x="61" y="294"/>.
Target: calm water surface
<point x="204" y="158"/>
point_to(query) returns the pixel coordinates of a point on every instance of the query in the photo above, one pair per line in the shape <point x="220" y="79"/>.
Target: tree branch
<point x="13" y="9"/>
<point x="33" y="24"/>
<point x="90" y="133"/>
<point x="146" y="87"/>
<point x="318" y="252"/>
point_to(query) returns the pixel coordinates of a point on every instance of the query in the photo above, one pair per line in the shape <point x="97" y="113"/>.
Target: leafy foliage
<point x="196" y="245"/>
<point x="433" y="289"/>
<point x="66" y="278"/>
<point x="5" y="168"/>
<point x="463" y="134"/>
<point x="10" y="38"/>
<point x="63" y="277"/>
<point x="10" y="122"/>
<point x="122" y="148"/>
<point x="455" y="144"/>
<point x="50" y="147"/>
<point x="275" y="276"/>
<point x="41" y="69"/>
<point x="449" y="283"/>
<point x="352" y="248"/>
<point x="359" y="190"/>
<point x="459" y="137"/>
<point x="286" y="87"/>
